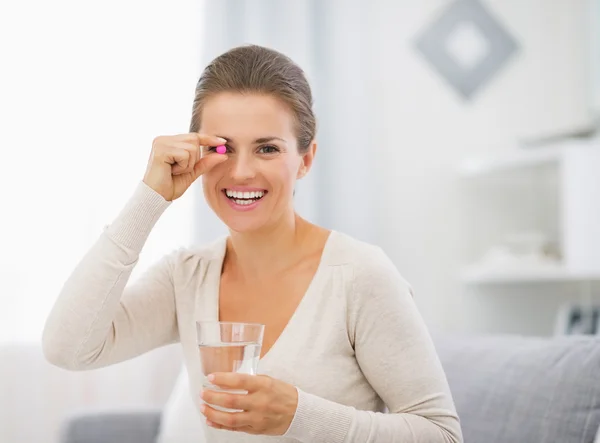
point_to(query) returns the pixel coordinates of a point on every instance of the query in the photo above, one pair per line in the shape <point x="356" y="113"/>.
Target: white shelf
<point x="479" y="276"/>
<point x="578" y="217"/>
<point x="518" y="158"/>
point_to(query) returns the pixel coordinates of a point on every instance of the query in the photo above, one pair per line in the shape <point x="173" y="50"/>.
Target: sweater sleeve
<point x="397" y="356"/>
<point x="97" y="319"/>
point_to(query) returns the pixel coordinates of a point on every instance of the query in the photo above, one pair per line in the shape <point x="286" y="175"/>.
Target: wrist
<point x="291" y="408"/>
<point x="319" y="420"/>
<point x="157" y="188"/>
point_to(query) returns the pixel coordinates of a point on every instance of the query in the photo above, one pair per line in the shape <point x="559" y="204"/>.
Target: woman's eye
<point x="268" y="149"/>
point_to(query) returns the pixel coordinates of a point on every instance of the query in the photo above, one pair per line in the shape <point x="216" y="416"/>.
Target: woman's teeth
<point x="244" y="198"/>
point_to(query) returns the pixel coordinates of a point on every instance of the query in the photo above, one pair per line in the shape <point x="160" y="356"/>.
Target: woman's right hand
<point x="176" y="161"/>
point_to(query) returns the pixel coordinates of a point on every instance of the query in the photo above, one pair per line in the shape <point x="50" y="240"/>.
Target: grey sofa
<point x="507" y="389"/>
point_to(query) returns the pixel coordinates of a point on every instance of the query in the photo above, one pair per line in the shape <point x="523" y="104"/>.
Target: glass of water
<point x="229" y="347"/>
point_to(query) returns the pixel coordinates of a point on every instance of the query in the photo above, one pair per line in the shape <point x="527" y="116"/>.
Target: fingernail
<point x="222" y="139"/>
<point x="211" y="378"/>
<point x="203" y="408"/>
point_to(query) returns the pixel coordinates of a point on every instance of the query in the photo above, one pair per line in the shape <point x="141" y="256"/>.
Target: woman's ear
<point x="307" y="160"/>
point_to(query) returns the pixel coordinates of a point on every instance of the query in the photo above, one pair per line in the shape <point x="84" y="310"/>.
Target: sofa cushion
<point x="140" y="426"/>
<point x="524" y="389"/>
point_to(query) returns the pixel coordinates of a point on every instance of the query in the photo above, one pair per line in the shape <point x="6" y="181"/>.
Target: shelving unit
<point x="476" y="276"/>
<point x="578" y="174"/>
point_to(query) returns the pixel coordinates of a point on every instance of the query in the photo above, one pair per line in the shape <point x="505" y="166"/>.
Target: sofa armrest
<point x="112" y="427"/>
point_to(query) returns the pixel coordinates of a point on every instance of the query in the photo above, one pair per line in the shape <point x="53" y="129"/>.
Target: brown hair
<point x="256" y="69"/>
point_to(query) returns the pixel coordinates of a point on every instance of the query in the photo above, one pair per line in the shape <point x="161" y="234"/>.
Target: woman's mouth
<point x="244" y="198"/>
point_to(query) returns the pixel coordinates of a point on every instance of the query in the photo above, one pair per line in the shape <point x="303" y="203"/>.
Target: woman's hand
<point x="267" y="409"/>
<point x="176" y="162"/>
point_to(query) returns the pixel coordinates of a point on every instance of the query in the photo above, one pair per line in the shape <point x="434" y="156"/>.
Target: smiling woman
<point x="265" y="153"/>
<point x="345" y="357"/>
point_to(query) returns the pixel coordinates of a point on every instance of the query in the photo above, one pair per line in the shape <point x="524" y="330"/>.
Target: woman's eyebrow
<point x="257" y="141"/>
<point x="267" y="140"/>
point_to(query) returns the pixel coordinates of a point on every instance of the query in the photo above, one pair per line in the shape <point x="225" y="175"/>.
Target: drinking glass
<point x="229" y="347"/>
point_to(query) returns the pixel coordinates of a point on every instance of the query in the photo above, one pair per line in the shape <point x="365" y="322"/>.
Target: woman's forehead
<point x="250" y="116"/>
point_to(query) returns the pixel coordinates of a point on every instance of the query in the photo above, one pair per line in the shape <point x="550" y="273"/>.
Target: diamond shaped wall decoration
<point x="466" y="45"/>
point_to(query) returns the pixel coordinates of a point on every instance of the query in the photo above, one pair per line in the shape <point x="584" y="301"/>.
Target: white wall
<point x="424" y="128"/>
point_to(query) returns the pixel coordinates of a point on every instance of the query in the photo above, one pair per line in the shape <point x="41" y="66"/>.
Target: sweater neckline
<point x="214" y="286"/>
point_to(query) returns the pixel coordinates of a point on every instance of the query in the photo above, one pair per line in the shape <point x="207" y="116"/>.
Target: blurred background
<point x="458" y="135"/>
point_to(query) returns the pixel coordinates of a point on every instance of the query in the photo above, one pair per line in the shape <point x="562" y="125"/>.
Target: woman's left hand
<point x="267" y="409"/>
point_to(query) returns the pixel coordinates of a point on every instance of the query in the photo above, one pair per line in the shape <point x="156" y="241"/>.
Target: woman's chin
<point x="245" y="228"/>
<point x="244" y="223"/>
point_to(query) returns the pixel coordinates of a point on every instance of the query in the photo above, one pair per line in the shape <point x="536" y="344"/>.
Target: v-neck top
<point x="211" y="289"/>
<point x="356" y="347"/>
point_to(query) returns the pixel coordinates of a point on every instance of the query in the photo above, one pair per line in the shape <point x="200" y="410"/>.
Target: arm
<point x="397" y="356"/>
<point x="97" y="320"/>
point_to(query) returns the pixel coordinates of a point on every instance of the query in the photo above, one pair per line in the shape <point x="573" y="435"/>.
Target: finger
<point x="235" y="380"/>
<point x="231" y="420"/>
<point x="187" y="137"/>
<point x="227" y="400"/>
<point x="193" y="158"/>
<point x="208" y="140"/>
<point x="181" y="169"/>
<point x="205" y="164"/>
<point x="178" y="158"/>
<point x="200" y="139"/>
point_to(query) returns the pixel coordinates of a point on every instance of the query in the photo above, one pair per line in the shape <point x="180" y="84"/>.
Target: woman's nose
<point x="243" y="167"/>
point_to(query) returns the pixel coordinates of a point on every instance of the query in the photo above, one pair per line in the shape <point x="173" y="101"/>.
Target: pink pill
<point x="221" y="149"/>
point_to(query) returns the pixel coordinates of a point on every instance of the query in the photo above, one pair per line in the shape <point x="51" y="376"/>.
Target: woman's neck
<point x="263" y="253"/>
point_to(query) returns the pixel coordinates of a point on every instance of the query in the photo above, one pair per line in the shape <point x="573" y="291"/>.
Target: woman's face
<point x="253" y="188"/>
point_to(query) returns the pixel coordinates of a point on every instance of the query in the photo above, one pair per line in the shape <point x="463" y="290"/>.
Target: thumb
<point x="205" y="164"/>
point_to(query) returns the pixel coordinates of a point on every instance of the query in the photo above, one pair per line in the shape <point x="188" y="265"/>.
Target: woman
<point x="343" y="338"/>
